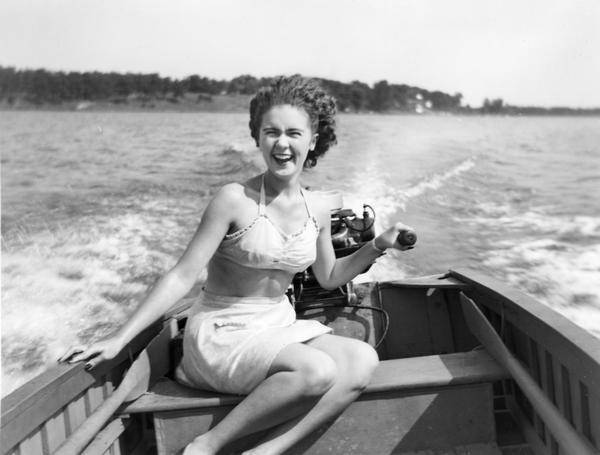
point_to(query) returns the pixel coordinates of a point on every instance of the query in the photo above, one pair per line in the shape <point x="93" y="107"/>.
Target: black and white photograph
<point x="348" y="227"/>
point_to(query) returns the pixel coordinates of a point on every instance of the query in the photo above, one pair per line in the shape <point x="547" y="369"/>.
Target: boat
<point x="468" y="365"/>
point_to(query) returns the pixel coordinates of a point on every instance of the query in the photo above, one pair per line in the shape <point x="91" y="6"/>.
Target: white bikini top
<point x="263" y="245"/>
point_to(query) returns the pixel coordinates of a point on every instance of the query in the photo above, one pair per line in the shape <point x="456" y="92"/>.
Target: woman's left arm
<point x="331" y="272"/>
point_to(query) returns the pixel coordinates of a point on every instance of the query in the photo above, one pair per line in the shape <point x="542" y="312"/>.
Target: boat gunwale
<point x="26" y="409"/>
<point x="41" y="398"/>
<point x="440" y="281"/>
<point x="575" y="347"/>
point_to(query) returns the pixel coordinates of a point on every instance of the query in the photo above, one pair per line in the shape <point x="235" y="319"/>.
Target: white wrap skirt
<point x="230" y="342"/>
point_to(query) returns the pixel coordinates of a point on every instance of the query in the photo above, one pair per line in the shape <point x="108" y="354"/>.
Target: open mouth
<point x="282" y="159"/>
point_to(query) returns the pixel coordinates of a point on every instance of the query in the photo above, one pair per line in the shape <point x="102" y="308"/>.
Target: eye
<point x="271" y="132"/>
<point x="295" y="133"/>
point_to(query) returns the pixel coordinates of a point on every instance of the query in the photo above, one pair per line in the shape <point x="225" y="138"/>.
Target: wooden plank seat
<point x="411" y="404"/>
<point x="407" y="374"/>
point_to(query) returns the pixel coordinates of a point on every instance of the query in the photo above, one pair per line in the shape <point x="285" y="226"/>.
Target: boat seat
<point x="406" y="404"/>
<point x="397" y="375"/>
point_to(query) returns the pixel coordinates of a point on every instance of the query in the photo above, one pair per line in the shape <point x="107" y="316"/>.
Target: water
<point x="95" y="206"/>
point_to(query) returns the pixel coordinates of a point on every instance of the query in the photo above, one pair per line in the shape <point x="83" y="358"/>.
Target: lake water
<point x="95" y="206"/>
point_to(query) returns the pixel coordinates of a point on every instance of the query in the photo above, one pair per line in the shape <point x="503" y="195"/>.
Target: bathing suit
<point x="230" y="342"/>
<point x="263" y="245"/>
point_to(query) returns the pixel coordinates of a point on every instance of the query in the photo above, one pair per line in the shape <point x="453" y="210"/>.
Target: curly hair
<point x="300" y="92"/>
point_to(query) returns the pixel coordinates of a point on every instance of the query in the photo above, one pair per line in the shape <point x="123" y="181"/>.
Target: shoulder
<point x="235" y="196"/>
<point x="224" y="205"/>
<point x="228" y="194"/>
<point x="226" y="201"/>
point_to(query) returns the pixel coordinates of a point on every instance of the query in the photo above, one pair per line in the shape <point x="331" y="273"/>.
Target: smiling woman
<point x="310" y="100"/>
<point x="242" y="335"/>
<point x="286" y="139"/>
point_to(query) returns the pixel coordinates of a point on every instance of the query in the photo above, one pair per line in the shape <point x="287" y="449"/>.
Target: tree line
<point x="40" y="87"/>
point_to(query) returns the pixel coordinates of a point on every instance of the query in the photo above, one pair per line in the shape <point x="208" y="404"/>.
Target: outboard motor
<point x="345" y="308"/>
<point x="349" y="232"/>
<point x="351" y="310"/>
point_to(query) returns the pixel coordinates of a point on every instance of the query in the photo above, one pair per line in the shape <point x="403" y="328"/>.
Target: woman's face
<point x="285" y="138"/>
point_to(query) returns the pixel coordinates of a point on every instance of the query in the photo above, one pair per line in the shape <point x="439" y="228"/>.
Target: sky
<point x="527" y="52"/>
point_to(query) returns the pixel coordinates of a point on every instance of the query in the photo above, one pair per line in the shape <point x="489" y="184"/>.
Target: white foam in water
<point x="373" y="188"/>
<point x="387" y="201"/>
<point x="563" y="276"/>
<point x="434" y="182"/>
<point x="504" y="214"/>
<point x="76" y="285"/>
<point x="554" y="258"/>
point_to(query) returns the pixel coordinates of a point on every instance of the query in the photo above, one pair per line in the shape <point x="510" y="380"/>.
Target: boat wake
<point x="232" y="160"/>
<point x="433" y="182"/>
<point x="78" y="283"/>
<point x="391" y="202"/>
<point x="381" y="192"/>
<point x="563" y="276"/>
<point x="554" y="258"/>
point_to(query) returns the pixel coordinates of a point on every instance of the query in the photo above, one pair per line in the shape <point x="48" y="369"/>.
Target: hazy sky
<point x="528" y="52"/>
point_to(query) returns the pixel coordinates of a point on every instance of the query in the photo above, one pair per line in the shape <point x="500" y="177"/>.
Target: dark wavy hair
<point x="300" y="92"/>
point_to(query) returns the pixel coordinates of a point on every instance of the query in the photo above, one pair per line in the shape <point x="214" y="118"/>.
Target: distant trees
<point x="41" y="86"/>
<point x="197" y="84"/>
<point x="47" y="87"/>
<point x="381" y="99"/>
<point x="359" y="96"/>
<point x="444" y="102"/>
<point x="245" y="84"/>
<point x="492" y="106"/>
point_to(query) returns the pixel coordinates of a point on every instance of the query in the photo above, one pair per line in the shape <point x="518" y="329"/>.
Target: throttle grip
<point x="407" y="237"/>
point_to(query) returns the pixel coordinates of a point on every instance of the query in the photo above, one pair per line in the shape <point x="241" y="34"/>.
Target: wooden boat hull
<point x="434" y="412"/>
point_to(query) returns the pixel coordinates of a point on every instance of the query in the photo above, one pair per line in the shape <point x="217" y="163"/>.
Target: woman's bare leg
<point x="355" y="362"/>
<point x="298" y="377"/>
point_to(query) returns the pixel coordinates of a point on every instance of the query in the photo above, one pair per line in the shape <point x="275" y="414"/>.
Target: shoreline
<point x="188" y="103"/>
<point x="237" y="103"/>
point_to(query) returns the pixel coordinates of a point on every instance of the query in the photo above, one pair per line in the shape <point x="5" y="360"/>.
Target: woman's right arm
<point x="174" y="285"/>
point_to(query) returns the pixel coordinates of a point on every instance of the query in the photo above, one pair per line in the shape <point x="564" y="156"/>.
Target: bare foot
<point x="200" y="446"/>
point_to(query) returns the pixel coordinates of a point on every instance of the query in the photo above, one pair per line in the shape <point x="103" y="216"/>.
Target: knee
<point x="318" y="376"/>
<point x="361" y="365"/>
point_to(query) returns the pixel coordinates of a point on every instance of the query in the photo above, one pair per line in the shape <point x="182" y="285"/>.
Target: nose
<point x="282" y="142"/>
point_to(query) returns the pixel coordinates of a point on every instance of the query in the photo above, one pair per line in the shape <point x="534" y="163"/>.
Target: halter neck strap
<point x="263" y="197"/>
<point x="262" y="201"/>
<point x="306" y="203"/>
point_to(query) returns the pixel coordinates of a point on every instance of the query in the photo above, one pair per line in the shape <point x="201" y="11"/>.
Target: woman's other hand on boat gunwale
<point x="94" y="353"/>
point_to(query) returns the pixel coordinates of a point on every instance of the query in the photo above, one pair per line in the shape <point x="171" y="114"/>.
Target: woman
<point x="242" y="335"/>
